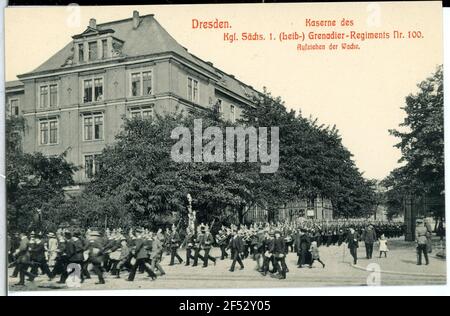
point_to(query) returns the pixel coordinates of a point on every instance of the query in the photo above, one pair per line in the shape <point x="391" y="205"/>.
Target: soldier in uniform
<point x="197" y="246"/>
<point x="278" y="250"/>
<point x="421" y="240"/>
<point x="156" y="255"/>
<point x="23" y="260"/>
<point x="221" y="239"/>
<point x="96" y="255"/>
<point x="141" y="256"/>
<point x="61" y="260"/>
<point x="124" y="258"/>
<point x="206" y="244"/>
<point x="268" y="257"/>
<point x="174" y="244"/>
<point x="74" y="251"/>
<point x="189" y="243"/>
<point x="38" y="260"/>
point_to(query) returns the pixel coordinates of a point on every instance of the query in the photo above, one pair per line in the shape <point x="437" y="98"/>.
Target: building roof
<point x="147" y="39"/>
<point x="14" y="84"/>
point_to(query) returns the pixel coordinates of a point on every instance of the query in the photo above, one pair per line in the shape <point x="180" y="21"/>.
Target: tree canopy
<point x="32" y="180"/>
<point x="422" y="171"/>
<point x="139" y="182"/>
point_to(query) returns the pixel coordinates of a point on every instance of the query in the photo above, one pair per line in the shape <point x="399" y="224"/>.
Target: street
<point x="398" y="269"/>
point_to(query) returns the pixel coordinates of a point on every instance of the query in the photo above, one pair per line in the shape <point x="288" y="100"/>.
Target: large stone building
<point x="77" y="99"/>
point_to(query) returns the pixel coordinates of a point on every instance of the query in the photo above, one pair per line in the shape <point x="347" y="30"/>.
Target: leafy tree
<point x="422" y="147"/>
<point x="313" y="162"/>
<point x="32" y="180"/>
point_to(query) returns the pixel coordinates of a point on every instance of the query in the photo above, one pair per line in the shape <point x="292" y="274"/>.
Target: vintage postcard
<point x="224" y="146"/>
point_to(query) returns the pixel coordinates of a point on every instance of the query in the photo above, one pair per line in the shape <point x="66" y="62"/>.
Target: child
<point x="383" y="246"/>
<point x="315" y="254"/>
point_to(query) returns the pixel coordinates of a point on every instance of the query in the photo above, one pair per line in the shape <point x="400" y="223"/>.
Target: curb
<point x="402" y="273"/>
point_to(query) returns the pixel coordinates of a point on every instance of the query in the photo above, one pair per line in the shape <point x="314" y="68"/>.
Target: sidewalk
<point x="402" y="260"/>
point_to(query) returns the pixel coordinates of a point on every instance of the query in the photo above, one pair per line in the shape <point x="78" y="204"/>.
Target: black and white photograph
<point x="224" y="146"/>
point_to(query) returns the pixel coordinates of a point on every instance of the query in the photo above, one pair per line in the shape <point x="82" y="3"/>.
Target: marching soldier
<point x="278" y="251"/>
<point x="206" y="244"/>
<point x="141" y="256"/>
<point x="38" y="260"/>
<point x="189" y="243"/>
<point x="23" y="260"/>
<point x="197" y="246"/>
<point x="222" y="242"/>
<point x="156" y="255"/>
<point x="174" y="244"/>
<point x="96" y="256"/>
<point x="124" y="258"/>
<point x="74" y="250"/>
<point x="268" y="257"/>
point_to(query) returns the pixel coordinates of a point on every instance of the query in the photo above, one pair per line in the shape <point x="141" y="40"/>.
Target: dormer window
<point x="96" y="44"/>
<point x="104" y="49"/>
<point x="81" y="52"/>
<point x="93" y="50"/>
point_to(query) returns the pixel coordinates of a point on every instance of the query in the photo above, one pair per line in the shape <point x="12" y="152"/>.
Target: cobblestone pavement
<point x="398" y="269"/>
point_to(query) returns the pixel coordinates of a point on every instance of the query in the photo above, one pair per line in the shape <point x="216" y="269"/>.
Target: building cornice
<point x="124" y="61"/>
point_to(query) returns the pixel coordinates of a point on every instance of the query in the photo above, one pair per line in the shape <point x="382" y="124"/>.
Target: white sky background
<point x="359" y="91"/>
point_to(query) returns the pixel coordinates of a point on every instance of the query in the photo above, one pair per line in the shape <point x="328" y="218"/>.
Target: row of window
<point x="141" y="84"/>
<point x="93" y="125"/>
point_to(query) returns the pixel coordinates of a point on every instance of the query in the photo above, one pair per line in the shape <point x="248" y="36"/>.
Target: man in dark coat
<point x="237" y="247"/>
<point x="141" y="255"/>
<point x="369" y="237"/>
<point x="23" y="259"/>
<point x="304" y="243"/>
<point x="278" y="250"/>
<point x="61" y="259"/>
<point x="268" y="257"/>
<point x="38" y="260"/>
<point x="74" y="251"/>
<point x="352" y="241"/>
<point x="96" y="255"/>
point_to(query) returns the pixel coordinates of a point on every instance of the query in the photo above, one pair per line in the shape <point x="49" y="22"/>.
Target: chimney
<point x="135" y="19"/>
<point x="92" y="23"/>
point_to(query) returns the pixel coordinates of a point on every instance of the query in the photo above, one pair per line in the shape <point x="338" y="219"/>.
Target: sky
<point x="360" y="91"/>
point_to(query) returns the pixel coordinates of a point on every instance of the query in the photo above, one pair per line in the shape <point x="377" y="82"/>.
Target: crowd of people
<point x="113" y="251"/>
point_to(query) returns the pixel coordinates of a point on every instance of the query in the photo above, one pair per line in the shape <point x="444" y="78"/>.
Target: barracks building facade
<point x="77" y="99"/>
